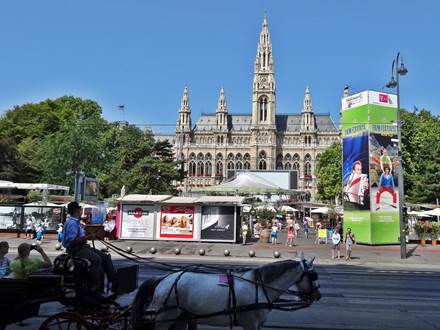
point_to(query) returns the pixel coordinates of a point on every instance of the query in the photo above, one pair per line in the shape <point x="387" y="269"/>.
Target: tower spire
<point x="222" y="111"/>
<point x="308" y="120"/>
<point x="184" y="121"/>
<point x="307" y="103"/>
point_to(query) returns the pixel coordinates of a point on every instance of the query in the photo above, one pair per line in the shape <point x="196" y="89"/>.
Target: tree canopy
<point x="329" y="173"/>
<point x="42" y="142"/>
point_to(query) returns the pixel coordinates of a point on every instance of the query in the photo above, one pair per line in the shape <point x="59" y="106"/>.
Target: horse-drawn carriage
<point x="181" y="298"/>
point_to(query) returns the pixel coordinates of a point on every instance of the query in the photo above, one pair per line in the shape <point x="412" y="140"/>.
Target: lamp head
<point x="402" y="70"/>
<point x="392" y="83"/>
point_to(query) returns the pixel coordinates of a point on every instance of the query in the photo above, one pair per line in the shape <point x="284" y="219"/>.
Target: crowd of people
<point x="296" y="228"/>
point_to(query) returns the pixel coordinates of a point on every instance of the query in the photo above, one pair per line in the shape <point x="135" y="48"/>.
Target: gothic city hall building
<point x="261" y="140"/>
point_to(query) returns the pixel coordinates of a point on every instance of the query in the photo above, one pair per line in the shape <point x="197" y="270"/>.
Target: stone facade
<point x="262" y="140"/>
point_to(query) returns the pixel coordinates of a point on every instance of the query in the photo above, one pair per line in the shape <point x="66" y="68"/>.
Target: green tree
<point x="421" y="154"/>
<point x="329" y="173"/>
<point x="10" y="166"/>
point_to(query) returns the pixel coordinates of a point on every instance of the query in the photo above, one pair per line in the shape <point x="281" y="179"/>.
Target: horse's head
<point x="307" y="285"/>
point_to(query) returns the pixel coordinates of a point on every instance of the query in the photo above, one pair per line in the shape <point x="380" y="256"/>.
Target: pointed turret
<point x="307" y="103"/>
<point x="308" y="122"/>
<point x="222" y="111"/>
<point x="184" y="121"/>
<point x="346" y="91"/>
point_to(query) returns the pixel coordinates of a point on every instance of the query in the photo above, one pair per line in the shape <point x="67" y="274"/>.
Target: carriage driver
<point x="75" y="242"/>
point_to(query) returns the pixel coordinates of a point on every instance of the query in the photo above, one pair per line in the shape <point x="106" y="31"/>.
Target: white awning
<point x="435" y="212"/>
<point x="288" y="208"/>
<point x="144" y="198"/>
<point x="321" y="210"/>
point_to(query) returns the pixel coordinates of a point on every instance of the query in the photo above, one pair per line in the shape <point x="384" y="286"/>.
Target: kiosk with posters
<point x="163" y="217"/>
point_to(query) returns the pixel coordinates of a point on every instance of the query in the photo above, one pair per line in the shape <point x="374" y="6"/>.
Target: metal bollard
<point x="227" y="253"/>
<point x="177" y="251"/>
<point x="128" y="249"/>
<point x="202" y="252"/>
<point x="251" y="253"/>
<point x="153" y="250"/>
<point x="276" y="254"/>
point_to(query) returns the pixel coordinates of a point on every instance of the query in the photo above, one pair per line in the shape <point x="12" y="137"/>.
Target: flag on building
<point x="121" y="107"/>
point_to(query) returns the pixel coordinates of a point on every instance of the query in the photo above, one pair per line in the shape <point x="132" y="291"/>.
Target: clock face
<point x="263" y="79"/>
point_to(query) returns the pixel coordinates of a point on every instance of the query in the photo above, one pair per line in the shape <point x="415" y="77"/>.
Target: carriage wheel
<point x="65" y="321"/>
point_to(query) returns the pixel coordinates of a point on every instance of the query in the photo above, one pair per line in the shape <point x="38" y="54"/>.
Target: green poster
<point x="370" y="167"/>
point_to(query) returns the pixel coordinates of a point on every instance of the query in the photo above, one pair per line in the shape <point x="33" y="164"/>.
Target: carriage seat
<point x="65" y="264"/>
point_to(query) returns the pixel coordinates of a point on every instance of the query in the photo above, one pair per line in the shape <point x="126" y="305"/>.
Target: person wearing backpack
<point x="349" y="242"/>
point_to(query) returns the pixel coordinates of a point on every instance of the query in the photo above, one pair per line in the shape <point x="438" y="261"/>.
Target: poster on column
<point x="384" y="168"/>
<point x="137" y="221"/>
<point x="218" y="223"/>
<point x="355" y="164"/>
<point x="177" y="221"/>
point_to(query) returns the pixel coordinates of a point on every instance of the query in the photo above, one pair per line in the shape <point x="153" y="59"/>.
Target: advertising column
<point x="384" y="168"/>
<point x="137" y="221"/>
<point x="355" y="165"/>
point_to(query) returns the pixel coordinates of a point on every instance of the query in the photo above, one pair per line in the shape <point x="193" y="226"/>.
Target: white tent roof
<point x="266" y="207"/>
<point x="435" y="212"/>
<point x="220" y="200"/>
<point x="288" y="208"/>
<point x="245" y="182"/>
<point x="321" y="210"/>
<point x="40" y="204"/>
<point x="32" y="186"/>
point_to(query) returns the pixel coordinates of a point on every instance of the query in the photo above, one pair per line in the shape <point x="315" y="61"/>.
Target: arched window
<point x="238" y="156"/>
<point x="192" y="168"/>
<point x="288" y="166"/>
<point x="247" y="157"/>
<point x="208" y="156"/>
<point x="305" y="140"/>
<point x="200" y="156"/>
<point x="238" y="165"/>
<point x="262" y="105"/>
<point x="230" y="165"/>
<point x="307" y="158"/>
<point x="231" y="157"/>
<point x="262" y="164"/>
<point x="307" y="169"/>
<point x="247" y="165"/>
<point x="208" y="168"/>
<point x="200" y="169"/>
<point x="192" y="156"/>
<point x="219" y="168"/>
<point x="296" y="167"/>
<point x="287" y="158"/>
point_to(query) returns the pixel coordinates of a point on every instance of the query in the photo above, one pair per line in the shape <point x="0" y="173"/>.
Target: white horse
<point x="174" y="298"/>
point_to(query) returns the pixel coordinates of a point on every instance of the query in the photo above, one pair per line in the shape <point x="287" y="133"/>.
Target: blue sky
<point x="142" y="53"/>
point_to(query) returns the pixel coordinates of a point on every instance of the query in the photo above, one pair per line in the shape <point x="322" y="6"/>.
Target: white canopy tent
<point x="41" y="204"/>
<point x="245" y="182"/>
<point x="320" y="210"/>
<point x="434" y="212"/>
<point x="287" y="208"/>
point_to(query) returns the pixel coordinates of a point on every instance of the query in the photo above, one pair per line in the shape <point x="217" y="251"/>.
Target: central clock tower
<point x="263" y="91"/>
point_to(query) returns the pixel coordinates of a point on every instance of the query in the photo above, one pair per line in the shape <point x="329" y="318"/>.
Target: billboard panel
<point x="384" y="169"/>
<point x="137" y="221"/>
<point x="218" y="223"/>
<point x="177" y="221"/>
<point x="369" y="169"/>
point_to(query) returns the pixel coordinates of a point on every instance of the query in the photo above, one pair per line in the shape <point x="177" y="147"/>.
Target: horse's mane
<point x="274" y="270"/>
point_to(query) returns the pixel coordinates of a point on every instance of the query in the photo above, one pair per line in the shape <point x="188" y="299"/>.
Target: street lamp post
<point x="397" y="71"/>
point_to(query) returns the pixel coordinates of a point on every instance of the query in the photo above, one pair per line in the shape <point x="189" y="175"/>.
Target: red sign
<point x="137" y="212"/>
<point x="177" y="221"/>
<point x="383" y="98"/>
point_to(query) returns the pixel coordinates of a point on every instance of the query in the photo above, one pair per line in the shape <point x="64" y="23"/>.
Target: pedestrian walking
<point x="39" y="233"/>
<point x="244" y="231"/>
<point x="290" y="235"/>
<point x="336" y="243"/>
<point x="318" y="227"/>
<point x="29" y="228"/>
<point x="306" y="228"/>
<point x="274" y="233"/>
<point x="296" y="230"/>
<point x="349" y="242"/>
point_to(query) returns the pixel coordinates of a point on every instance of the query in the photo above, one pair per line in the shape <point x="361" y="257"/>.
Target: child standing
<point x="39" y="233"/>
<point x="4" y="261"/>
<point x="60" y="233"/>
<point x="29" y="228"/>
<point x="274" y="234"/>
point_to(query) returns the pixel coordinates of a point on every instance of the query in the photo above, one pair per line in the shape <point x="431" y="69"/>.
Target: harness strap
<point x="233" y="296"/>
